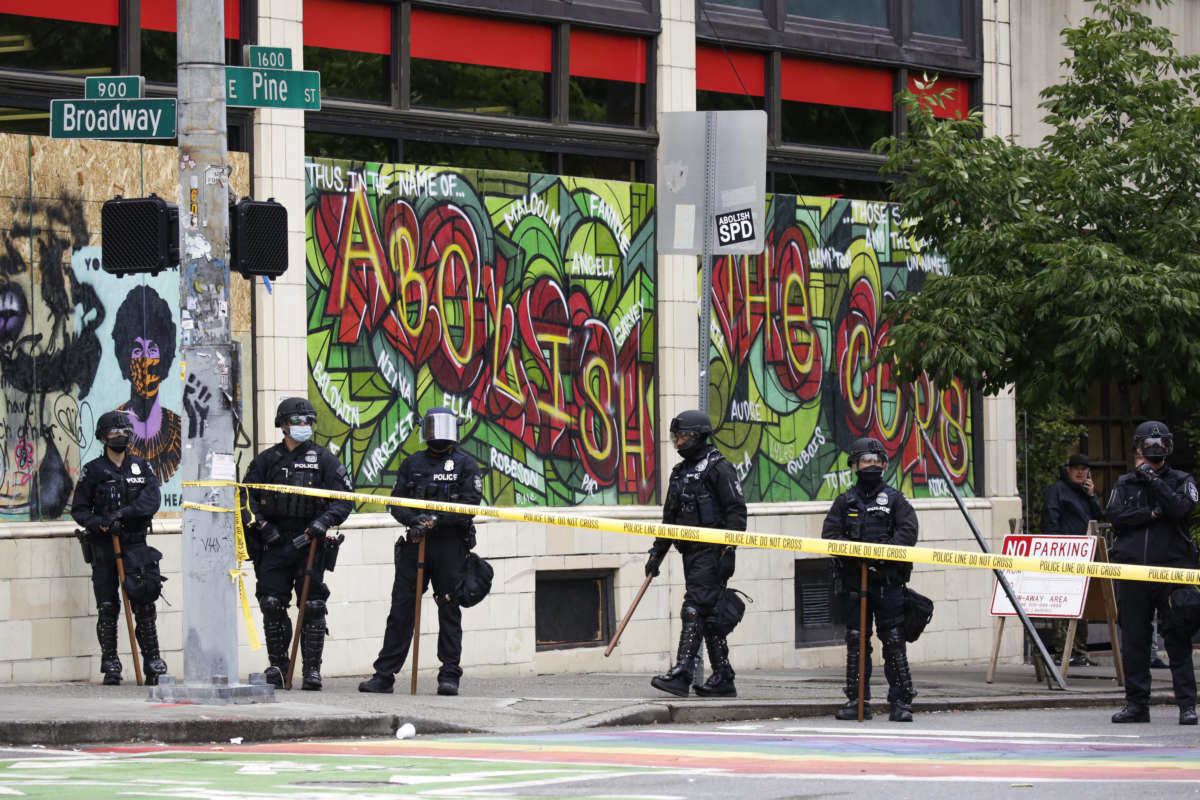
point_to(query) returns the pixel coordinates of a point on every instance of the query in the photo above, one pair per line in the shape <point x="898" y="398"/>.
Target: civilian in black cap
<point x="1069" y="505"/>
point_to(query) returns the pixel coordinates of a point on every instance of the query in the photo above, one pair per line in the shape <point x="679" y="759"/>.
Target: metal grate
<point x="818" y="613"/>
<point x="138" y="234"/>
<point x="258" y="238"/>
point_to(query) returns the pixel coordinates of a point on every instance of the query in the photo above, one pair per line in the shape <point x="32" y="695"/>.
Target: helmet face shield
<point x="439" y="425"/>
<point x="871" y="460"/>
<point x="300" y="419"/>
<point x="1157" y="446"/>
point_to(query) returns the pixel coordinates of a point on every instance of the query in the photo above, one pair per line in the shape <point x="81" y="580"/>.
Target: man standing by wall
<point x="1068" y="506"/>
<point x="117" y="496"/>
<point x="440" y="472"/>
<point x="280" y="537"/>
<point x="1149" y="509"/>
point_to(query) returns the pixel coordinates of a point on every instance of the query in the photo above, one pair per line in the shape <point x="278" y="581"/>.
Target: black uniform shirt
<point x="310" y="466"/>
<point x="131" y="490"/>
<point x="882" y="516"/>
<point x="451" y="477"/>
<point x="1161" y="540"/>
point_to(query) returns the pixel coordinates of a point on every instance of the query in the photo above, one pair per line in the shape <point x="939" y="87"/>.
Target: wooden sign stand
<point x="1099" y="604"/>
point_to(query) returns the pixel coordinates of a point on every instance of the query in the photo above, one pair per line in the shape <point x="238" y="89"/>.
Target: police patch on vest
<point x="311" y="458"/>
<point x="1192" y="493"/>
<point x="479" y="484"/>
<point x="442" y="476"/>
<point x="449" y="465"/>
<point x="881" y="498"/>
<point x="136" y="470"/>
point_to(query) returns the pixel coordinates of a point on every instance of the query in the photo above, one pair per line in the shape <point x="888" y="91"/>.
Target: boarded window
<point x="574" y="608"/>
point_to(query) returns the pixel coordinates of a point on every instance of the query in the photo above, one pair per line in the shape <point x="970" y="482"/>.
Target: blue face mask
<point x="300" y="433"/>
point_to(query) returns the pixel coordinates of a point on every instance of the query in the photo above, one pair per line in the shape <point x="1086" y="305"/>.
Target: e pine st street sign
<point x="253" y="87"/>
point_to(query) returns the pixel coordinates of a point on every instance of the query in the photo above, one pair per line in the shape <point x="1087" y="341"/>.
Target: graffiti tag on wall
<point x="525" y="303"/>
<point x="794" y="335"/>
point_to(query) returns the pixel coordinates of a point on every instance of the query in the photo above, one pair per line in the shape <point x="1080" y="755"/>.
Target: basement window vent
<point x="818" y="612"/>
<point x="574" y="608"/>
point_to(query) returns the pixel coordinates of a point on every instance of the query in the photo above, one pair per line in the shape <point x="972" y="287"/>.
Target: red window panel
<point x="805" y="81"/>
<point x="97" y="12"/>
<point x="718" y="70"/>
<point x="347" y="25"/>
<point x="160" y="15"/>
<point x="953" y="106"/>
<point x="486" y="42"/>
<point x="608" y="56"/>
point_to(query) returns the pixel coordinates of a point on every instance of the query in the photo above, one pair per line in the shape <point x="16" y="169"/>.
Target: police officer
<point x="284" y="526"/>
<point x="1149" y="510"/>
<point x="872" y="511"/>
<point x="118" y="494"/>
<point x="705" y="492"/>
<point x="445" y="473"/>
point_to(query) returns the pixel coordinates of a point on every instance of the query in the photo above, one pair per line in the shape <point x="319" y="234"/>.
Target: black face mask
<point x="694" y="446"/>
<point x="869" y="478"/>
<point x="118" y="443"/>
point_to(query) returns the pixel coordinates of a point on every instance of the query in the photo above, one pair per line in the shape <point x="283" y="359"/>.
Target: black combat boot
<point x="378" y="684"/>
<point x="277" y="630"/>
<point x="1187" y="715"/>
<point x="312" y="643"/>
<point x="895" y="661"/>
<point x="678" y="679"/>
<point x="1132" y="713"/>
<point x="147" y="638"/>
<point x="849" y="711"/>
<point x="720" y="683"/>
<point x="106" y="634"/>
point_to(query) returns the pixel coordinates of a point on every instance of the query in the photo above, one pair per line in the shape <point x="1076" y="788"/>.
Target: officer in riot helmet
<point x="284" y="526"/>
<point x="445" y="473"/>
<point x="1149" y="509"/>
<point x="117" y="495"/>
<point x="705" y="492"/>
<point x="871" y="511"/>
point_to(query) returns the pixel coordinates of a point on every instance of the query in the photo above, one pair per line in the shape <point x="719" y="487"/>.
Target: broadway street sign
<point x="112" y="119"/>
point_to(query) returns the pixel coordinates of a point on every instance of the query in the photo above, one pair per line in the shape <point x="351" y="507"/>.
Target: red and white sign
<point x="1042" y="594"/>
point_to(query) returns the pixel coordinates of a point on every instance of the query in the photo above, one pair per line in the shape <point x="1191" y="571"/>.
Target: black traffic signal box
<point x="139" y="234"/>
<point x="258" y="238"/>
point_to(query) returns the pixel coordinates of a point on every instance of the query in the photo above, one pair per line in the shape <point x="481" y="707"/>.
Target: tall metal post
<point x="209" y="360"/>
<point x="704" y="343"/>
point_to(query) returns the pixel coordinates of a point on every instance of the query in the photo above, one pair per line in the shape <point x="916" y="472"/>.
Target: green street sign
<point x="112" y="119"/>
<point x="268" y="57"/>
<point x="114" y="87"/>
<point x="248" y="87"/>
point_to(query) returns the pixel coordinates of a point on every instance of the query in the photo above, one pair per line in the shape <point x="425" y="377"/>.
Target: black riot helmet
<point x="1154" y="440"/>
<point x="291" y="408"/>
<point x="867" y="446"/>
<point x="689" y="432"/>
<point x="439" y="429"/>
<point x="113" y="421"/>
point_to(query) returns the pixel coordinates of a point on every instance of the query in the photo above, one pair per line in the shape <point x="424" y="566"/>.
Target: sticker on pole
<point x="735" y="226"/>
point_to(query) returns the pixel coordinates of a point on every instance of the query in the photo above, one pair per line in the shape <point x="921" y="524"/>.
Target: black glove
<point x="728" y="560"/>
<point x="654" y="562"/>
<point x="415" y="534"/>
<point x="1146" y="472"/>
<point x="111" y="521"/>
<point x="317" y="528"/>
<point x="424" y="521"/>
<point x="301" y="541"/>
<point x="269" y="533"/>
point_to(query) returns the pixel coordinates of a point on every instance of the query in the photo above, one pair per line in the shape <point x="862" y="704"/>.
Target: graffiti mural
<point x="523" y="302"/>
<point x="794" y="335"/>
<point x="76" y="342"/>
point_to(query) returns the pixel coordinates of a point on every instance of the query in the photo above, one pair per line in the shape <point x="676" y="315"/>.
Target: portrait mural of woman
<point x="144" y="345"/>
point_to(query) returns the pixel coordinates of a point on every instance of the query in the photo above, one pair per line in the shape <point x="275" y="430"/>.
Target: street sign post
<point x="251" y="87"/>
<point x="112" y="119"/>
<point x="114" y="87"/>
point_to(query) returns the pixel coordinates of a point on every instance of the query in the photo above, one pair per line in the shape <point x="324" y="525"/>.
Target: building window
<point x="834" y="105"/>
<point x="158" y="23"/>
<point x="608" y="78"/>
<point x="755" y="4"/>
<point x="818" y="612"/>
<point x="827" y="186"/>
<point x="953" y="107"/>
<point x="588" y="166"/>
<point x="574" y="608"/>
<point x="729" y="80"/>
<point x="350" y="44"/>
<point x="484" y="66"/>
<point x="938" y="18"/>
<point x="858" y="12"/>
<point x="347" y="147"/>
<point x="448" y="154"/>
<point x="59" y="36"/>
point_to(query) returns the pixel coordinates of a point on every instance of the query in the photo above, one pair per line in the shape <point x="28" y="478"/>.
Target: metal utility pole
<point x="209" y="365"/>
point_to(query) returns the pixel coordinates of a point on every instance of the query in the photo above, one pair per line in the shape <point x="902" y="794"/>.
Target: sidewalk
<point x="76" y="713"/>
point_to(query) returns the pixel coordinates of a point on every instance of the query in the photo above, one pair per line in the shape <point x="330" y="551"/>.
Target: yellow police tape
<point x="237" y="575"/>
<point x="832" y="547"/>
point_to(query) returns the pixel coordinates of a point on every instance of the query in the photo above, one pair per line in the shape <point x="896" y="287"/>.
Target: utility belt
<point x="99" y="543"/>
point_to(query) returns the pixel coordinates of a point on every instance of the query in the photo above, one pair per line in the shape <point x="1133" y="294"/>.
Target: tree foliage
<point x="1073" y="261"/>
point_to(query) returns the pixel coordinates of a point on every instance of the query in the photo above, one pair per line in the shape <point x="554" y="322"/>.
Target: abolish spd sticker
<point x="735" y="226"/>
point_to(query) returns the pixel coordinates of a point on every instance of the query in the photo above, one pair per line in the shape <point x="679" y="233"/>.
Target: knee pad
<point x="108" y="610"/>
<point x="315" y="609"/>
<point x="689" y="613"/>
<point x="273" y="606"/>
<point x="145" y="611"/>
<point x="852" y="636"/>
